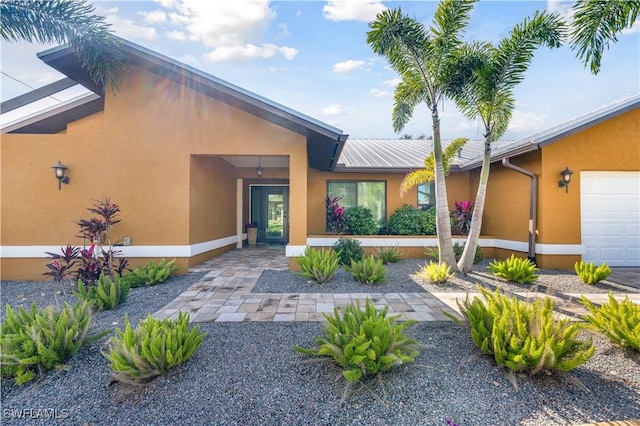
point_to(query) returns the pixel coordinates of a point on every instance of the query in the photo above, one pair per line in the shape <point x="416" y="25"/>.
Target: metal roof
<point x="396" y="155"/>
<point x="403" y="155"/>
<point x="324" y="142"/>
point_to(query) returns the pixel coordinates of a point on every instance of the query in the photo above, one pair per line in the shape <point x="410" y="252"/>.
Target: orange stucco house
<point x="180" y="150"/>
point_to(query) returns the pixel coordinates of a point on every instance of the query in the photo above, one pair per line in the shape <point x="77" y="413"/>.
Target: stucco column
<point x="298" y="199"/>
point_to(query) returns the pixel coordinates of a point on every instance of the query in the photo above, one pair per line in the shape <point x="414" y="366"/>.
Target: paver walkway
<point x="224" y="295"/>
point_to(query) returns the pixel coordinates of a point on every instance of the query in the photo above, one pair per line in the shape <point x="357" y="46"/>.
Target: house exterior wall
<point x="612" y="145"/>
<point x="143" y="152"/>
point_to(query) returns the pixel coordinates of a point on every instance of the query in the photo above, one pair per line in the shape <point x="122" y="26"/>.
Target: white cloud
<point x="249" y="51"/>
<point x="333" y="110"/>
<point x="527" y="122"/>
<point x="348" y="66"/>
<point x="155" y="17"/>
<point x="288" y="52"/>
<point x="562" y="8"/>
<point x="232" y="30"/>
<point x="177" y="35"/>
<point x="393" y="82"/>
<point x="376" y="93"/>
<point x="126" y="28"/>
<point x="352" y="10"/>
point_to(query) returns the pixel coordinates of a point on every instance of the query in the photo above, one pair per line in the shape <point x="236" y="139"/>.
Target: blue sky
<point x="312" y="56"/>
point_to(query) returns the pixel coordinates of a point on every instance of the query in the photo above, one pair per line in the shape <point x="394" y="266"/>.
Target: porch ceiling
<point x="252" y="161"/>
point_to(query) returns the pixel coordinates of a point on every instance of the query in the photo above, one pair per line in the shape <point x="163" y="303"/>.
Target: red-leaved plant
<point x="462" y="215"/>
<point x="336" y="220"/>
<point x="100" y="257"/>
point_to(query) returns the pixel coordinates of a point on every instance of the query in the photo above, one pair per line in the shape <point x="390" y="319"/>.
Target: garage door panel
<point x="610" y="217"/>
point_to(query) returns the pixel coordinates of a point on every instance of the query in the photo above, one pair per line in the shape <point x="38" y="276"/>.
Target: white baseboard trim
<point x="38" y="252"/>
<point x="522" y="246"/>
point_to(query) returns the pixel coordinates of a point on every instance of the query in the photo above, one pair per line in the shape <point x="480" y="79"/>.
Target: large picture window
<point x="370" y="194"/>
<point x="427" y="194"/>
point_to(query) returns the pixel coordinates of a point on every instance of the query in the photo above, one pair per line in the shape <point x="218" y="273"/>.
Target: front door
<point x="270" y="210"/>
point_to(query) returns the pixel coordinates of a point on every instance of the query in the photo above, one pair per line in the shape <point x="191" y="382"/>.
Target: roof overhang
<point x="324" y="142"/>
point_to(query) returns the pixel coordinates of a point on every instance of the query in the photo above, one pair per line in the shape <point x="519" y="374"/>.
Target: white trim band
<point x="38" y="252"/>
<point x="522" y="246"/>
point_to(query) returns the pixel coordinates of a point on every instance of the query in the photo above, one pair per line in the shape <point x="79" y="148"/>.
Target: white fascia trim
<point x="38" y="252"/>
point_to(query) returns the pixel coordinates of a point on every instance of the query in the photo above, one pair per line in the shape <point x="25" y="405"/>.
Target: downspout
<point x="533" y="206"/>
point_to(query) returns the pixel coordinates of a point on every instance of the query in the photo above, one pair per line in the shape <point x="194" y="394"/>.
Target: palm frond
<point x="408" y="94"/>
<point x="417" y="177"/>
<point x="74" y="22"/>
<point x="596" y="25"/>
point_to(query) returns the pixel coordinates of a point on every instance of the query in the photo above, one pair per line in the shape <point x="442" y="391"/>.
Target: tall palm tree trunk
<point x="443" y="223"/>
<point x="468" y="254"/>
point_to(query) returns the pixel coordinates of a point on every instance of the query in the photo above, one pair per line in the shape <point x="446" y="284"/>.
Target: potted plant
<point x="252" y="233"/>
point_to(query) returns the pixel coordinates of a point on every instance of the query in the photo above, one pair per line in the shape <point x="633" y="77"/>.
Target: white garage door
<point x="610" y="212"/>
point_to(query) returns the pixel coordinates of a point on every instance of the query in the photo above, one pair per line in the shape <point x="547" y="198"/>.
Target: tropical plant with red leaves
<point x="336" y="219"/>
<point x="462" y="215"/>
<point x="95" y="259"/>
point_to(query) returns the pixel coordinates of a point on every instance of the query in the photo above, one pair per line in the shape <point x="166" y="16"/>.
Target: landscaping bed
<point x="401" y="278"/>
<point x="248" y="373"/>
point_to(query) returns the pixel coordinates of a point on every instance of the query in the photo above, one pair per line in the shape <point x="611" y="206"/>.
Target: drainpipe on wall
<point x="533" y="206"/>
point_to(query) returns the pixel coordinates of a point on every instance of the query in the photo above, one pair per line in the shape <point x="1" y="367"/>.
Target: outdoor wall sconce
<point x="60" y="170"/>
<point x="259" y="169"/>
<point x="566" y="179"/>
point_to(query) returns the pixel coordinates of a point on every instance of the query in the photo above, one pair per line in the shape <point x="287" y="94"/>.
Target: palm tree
<point x="417" y="177"/>
<point x="488" y="75"/>
<point x="61" y="21"/>
<point x="423" y="59"/>
<point x="597" y="23"/>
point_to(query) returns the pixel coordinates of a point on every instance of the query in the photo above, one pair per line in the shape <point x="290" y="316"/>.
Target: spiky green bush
<point x="388" y="254"/>
<point x="588" y="272"/>
<point x="35" y="341"/>
<point x="140" y="354"/>
<point x="152" y="273"/>
<point x="107" y="294"/>
<point x="524" y="336"/>
<point x="436" y="273"/>
<point x="348" y="249"/>
<point x="619" y="321"/>
<point x="521" y="271"/>
<point x="320" y="265"/>
<point x="364" y="342"/>
<point x="367" y="270"/>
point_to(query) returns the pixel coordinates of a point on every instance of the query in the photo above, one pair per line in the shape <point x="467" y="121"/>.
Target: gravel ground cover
<point x="247" y="373"/>
<point x="401" y="278"/>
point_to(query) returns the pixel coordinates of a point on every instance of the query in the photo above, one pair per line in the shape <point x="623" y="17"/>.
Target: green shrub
<point x="152" y="273"/>
<point x="524" y="336"/>
<point x="364" y="342"/>
<point x="589" y="274"/>
<point x="348" y="249"/>
<point x="152" y="348"/>
<point x="619" y="321"/>
<point x="34" y="341"/>
<point x="432" y="253"/>
<point x="320" y="265"/>
<point x="409" y="220"/>
<point x="514" y="269"/>
<point x="359" y="221"/>
<point x="436" y="273"/>
<point x="389" y="254"/>
<point x="106" y="294"/>
<point x="458" y="249"/>
<point x="367" y="270"/>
